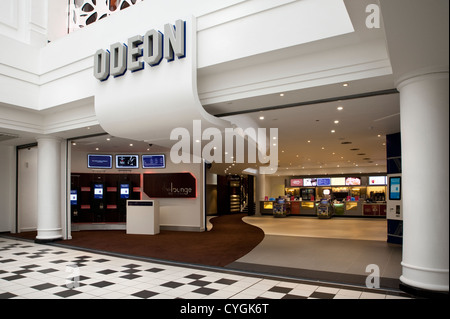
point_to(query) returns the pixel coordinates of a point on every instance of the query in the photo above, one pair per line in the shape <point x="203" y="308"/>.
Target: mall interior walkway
<point x="296" y="259"/>
<point x="344" y="250"/>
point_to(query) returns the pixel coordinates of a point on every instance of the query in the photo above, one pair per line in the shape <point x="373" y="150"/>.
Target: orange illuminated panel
<point x="268" y="205"/>
<point x="307" y="205"/>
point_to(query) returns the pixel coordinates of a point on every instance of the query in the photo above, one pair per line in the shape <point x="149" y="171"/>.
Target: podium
<point x="142" y="217"/>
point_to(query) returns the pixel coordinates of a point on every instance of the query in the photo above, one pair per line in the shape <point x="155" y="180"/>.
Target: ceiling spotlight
<point x="336" y="122"/>
<point x="261" y="117"/>
<point x="131" y="144"/>
<point x="345" y="84"/>
<point x="340" y="108"/>
<point x="282" y="94"/>
<point x="333" y="131"/>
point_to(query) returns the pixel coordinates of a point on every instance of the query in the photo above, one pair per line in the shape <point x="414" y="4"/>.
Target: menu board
<point x="310" y="182"/>
<point x="337" y="181"/>
<point x="296" y="182"/>
<point x="324" y="181"/>
<point x="377" y="180"/>
<point x="352" y="181"/>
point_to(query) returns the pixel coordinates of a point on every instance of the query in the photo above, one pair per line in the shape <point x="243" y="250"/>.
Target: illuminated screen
<point x="337" y="181"/>
<point x="394" y="188"/>
<point x="324" y="182"/>
<point x="127" y="161"/>
<point x="124" y="191"/>
<point x="99" y="161"/>
<point x="153" y="161"/>
<point x="352" y="181"/>
<point x="295" y="182"/>
<point x="73" y="197"/>
<point x="98" y="191"/>
<point x="377" y="180"/>
<point x="309" y="182"/>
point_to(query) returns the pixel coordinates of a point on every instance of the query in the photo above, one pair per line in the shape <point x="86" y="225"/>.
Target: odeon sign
<point x="152" y="48"/>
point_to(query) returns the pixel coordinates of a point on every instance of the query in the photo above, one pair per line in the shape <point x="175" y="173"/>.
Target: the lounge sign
<point x="140" y="50"/>
<point x="170" y="185"/>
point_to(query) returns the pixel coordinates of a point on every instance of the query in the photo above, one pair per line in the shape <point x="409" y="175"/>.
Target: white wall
<point x="7" y="188"/>
<point x="274" y="186"/>
<point x="27" y="189"/>
<point x="175" y="213"/>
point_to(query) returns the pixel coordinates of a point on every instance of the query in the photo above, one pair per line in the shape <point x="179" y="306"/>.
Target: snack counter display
<point x="350" y="196"/>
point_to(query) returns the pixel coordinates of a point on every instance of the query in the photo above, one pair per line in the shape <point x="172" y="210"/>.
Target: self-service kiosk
<point x="74" y="205"/>
<point x="98" y="201"/>
<point x="123" y="195"/>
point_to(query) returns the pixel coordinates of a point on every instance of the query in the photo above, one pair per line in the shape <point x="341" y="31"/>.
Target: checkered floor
<point x="35" y="271"/>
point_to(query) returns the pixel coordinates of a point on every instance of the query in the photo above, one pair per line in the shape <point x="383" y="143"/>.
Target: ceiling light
<point x="340" y="108"/>
<point x="333" y="131"/>
<point x="336" y="122"/>
<point x="282" y="94"/>
<point x="345" y="84"/>
<point x="96" y="148"/>
<point x="131" y="144"/>
<point x="197" y="141"/>
<point x="261" y="117"/>
<point x="309" y="141"/>
<point x="108" y="139"/>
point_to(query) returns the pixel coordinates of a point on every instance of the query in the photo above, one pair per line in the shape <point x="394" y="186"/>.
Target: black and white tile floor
<point x="35" y="271"/>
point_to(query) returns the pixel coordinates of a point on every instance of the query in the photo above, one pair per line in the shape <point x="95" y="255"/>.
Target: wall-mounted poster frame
<point x="99" y="161"/>
<point x="395" y="191"/>
<point x="127" y="161"/>
<point x="154" y="161"/>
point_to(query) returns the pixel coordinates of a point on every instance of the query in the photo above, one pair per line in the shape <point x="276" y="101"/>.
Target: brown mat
<point x="230" y="239"/>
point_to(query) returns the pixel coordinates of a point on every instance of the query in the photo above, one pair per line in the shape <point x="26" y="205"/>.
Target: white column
<point x="49" y="189"/>
<point x="260" y="180"/>
<point x="424" y="113"/>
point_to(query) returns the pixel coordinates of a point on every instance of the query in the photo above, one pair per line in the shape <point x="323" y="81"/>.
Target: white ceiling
<point x="306" y="143"/>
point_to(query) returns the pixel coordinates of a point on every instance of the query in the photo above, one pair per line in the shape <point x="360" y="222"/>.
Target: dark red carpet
<point x="230" y="239"/>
